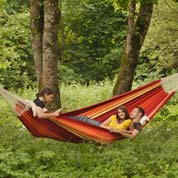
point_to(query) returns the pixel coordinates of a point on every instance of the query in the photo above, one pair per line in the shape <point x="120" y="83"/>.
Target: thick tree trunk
<point x="137" y="31"/>
<point x="50" y="48"/>
<point x="44" y="20"/>
<point x="36" y="27"/>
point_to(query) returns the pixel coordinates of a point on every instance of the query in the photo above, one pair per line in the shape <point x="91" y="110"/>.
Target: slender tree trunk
<point x="137" y="30"/>
<point x="36" y="27"/>
<point x="50" y="47"/>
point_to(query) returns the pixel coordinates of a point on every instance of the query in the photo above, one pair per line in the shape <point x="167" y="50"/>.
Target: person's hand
<point x="61" y="109"/>
<point x="113" y="130"/>
<point x="56" y="113"/>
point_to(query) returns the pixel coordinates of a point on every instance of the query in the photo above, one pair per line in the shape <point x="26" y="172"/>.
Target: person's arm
<point x="114" y="130"/>
<point x="126" y="133"/>
<point x="106" y="123"/>
<point x="41" y="114"/>
<point x="131" y="134"/>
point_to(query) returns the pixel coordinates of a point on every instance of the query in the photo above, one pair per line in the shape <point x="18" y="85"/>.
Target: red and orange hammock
<point x="151" y="97"/>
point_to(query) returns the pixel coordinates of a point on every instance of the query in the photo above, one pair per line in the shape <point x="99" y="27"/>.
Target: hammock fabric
<point x="151" y="97"/>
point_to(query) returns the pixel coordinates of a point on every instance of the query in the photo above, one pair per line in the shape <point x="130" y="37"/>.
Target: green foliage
<point x="159" y="54"/>
<point x="2" y="3"/>
<point x="13" y="6"/>
<point x="124" y="4"/>
<point x="67" y="75"/>
<point x="152" y="154"/>
<point x="16" y="66"/>
<point x="94" y="33"/>
<point x="118" y="4"/>
<point x="93" y="38"/>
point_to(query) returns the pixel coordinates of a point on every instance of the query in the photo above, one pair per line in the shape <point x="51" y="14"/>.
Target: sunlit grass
<point x="77" y="95"/>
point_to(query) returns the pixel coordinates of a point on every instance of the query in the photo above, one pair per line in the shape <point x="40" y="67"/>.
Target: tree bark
<point x="137" y="30"/>
<point x="36" y="27"/>
<point x="50" y="48"/>
<point x="61" y="35"/>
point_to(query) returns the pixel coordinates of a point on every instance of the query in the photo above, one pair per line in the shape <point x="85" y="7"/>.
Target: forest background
<point x="91" y="45"/>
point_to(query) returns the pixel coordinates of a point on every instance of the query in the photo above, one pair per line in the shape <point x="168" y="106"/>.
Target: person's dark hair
<point x="141" y="110"/>
<point x="44" y="91"/>
<point x="124" y="109"/>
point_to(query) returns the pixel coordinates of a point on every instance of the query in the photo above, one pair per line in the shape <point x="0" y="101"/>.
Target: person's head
<point x="122" y="113"/>
<point x="137" y="112"/>
<point x="46" y="94"/>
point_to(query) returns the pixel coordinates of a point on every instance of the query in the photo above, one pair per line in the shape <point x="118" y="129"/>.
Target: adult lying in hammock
<point x="44" y="97"/>
<point x="119" y="121"/>
<point x="134" y="129"/>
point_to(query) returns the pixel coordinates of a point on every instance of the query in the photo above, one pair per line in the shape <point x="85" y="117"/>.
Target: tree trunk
<point x="50" y="48"/>
<point x="44" y="21"/>
<point x="36" y="27"/>
<point x="137" y="30"/>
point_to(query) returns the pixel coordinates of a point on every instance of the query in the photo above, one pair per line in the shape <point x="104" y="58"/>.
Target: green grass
<point x="77" y="96"/>
<point x="153" y="154"/>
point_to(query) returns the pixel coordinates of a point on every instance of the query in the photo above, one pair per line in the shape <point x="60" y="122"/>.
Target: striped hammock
<point x="64" y="128"/>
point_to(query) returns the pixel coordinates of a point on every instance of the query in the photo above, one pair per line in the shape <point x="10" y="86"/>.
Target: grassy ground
<point x="152" y="154"/>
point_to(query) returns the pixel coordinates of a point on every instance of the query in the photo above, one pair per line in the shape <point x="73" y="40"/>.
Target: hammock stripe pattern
<point x="151" y="97"/>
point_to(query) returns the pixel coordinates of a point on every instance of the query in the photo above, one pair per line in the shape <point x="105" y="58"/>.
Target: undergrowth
<point x="152" y="154"/>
